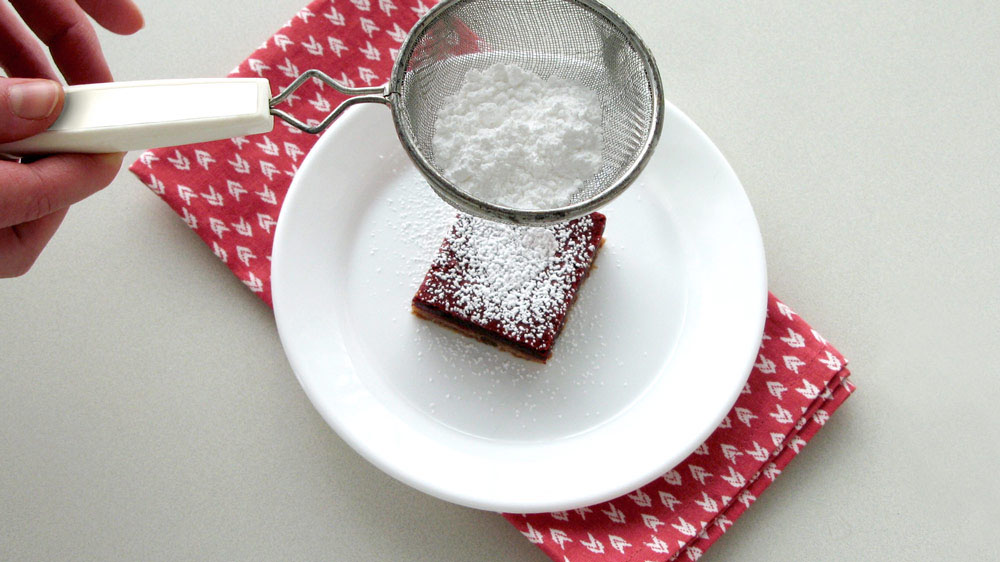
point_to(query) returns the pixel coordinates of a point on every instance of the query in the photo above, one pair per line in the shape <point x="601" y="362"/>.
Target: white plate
<point x="654" y="353"/>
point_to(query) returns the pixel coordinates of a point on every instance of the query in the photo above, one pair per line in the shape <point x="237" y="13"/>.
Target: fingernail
<point x="33" y="100"/>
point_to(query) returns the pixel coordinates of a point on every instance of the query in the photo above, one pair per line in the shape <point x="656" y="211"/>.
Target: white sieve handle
<point x="121" y="116"/>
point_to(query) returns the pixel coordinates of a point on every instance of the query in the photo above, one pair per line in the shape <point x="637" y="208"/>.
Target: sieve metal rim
<point x="464" y="202"/>
<point x="390" y="94"/>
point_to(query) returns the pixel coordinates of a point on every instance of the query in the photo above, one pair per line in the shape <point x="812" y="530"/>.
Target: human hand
<point x="35" y="196"/>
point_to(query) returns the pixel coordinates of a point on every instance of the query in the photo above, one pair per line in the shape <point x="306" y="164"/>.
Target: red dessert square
<point x="509" y="286"/>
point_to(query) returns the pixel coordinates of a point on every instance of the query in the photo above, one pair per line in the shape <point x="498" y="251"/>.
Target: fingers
<point x="31" y="191"/>
<point x="118" y="16"/>
<point x="28" y="107"/>
<point x="20" y="245"/>
<point x="63" y="26"/>
<point x="20" y="53"/>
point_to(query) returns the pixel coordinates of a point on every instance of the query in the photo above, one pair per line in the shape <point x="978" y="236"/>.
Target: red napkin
<point x="230" y="193"/>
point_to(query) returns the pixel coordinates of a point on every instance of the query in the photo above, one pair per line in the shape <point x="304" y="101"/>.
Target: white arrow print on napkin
<point x="304" y="15"/>
<point x="777" y="439"/>
<point x="533" y="535"/>
<point x="203" y="158"/>
<point x="289" y="69"/>
<point x="367" y="75"/>
<point x="243" y="227"/>
<point x="583" y="511"/>
<point x="257" y="66"/>
<point x="672" y="477"/>
<point x="334" y="17"/>
<point x="321" y="104"/>
<point x="387" y="6"/>
<point x="614" y="514"/>
<point x="793" y="363"/>
<point x="560" y="515"/>
<point x="186" y="193"/>
<point x="735" y="479"/>
<point x="245" y="254"/>
<point x="240" y="165"/>
<point x="398" y="34"/>
<point x="684" y="527"/>
<point x="180" y="161"/>
<point x="266" y="222"/>
<point x="809" y="390"/>
<point x="148" y="158"/>
<point x="267" y="196"/>
<point x="268" y="169"/>
<point x="758" y="453"/>
<point x="765" y="365"/>
<point x="730" y="452"/>
<point x="657" y="545"/>
<point x="619" y="543"/>
<point x="560" y="537"/>
<point x="669" y="500"/>
<point x="744" y="415"/>
<point x="268" y="146"/>
<point x="336" y="45"/>
<point x="293" y="151"/>
<point x="282" y="41"/>
<point x="218" y="227"/>
<point x="776" y="388"/>
<point x="707" y="503"/>
<point x="313" y="47"/>
<point x="255" y="284"/>
<point x="821" y="417"/>
<point x="370" y="52"/>
<point x="831" y="362"/>
<point x="641" y="498"/>
<point x="782" y="415"/>
<point x="794" y="339"/>
<point x="219" y="252"/>
<point x="593" y="545"/>
<point x="785" y="310"/>
<point x="235" y="189"/>
<point x="191" y="220"/>
<point x="771" y="471"/>
<point x="368" y="26"/>
<point x="213" y="197"/>
<point x="155" y="185"/>
<point x="420" y="9"/>
<point x="699" y="473"/>
<point x="651" y="521"/>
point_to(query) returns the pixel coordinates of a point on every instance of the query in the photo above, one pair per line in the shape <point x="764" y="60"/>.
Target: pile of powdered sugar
<point x="513" y="139"/>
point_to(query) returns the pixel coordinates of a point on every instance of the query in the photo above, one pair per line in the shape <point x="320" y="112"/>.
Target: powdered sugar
<point x="516" y="281"/>
<point x="511" y="138"/>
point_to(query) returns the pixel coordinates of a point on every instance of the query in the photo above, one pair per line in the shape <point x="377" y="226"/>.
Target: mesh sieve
<point x="578" y="40"/>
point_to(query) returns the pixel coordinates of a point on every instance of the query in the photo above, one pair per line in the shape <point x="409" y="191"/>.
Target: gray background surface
<point x="147" y="410"/>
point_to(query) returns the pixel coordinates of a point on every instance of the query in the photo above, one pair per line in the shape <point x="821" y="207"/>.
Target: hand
<point x="34" y="197"/>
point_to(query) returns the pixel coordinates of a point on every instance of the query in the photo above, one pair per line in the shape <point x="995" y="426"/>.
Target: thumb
<point x="28" y="107"/>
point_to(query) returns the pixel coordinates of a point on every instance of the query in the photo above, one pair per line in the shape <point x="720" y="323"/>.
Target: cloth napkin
<point x="230" y="193"/>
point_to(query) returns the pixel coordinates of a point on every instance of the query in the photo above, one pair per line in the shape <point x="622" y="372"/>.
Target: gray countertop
<point x="148" y="411"/>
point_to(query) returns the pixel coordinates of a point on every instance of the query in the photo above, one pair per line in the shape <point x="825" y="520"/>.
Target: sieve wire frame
<point x="461" y="200"/>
